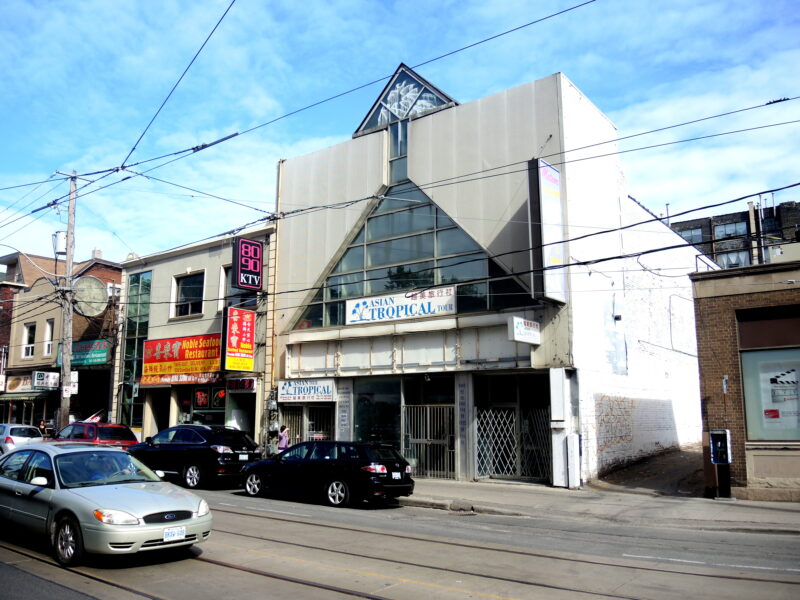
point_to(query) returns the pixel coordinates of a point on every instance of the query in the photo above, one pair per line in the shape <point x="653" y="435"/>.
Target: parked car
<point x="14" y="434"/>
<point x="337" y="472"/>
<point x="105" y="434"/>
<point x="196" y="454"/>
<point x="96" y="499"/>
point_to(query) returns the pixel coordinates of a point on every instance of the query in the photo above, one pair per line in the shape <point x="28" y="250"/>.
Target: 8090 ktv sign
<point x="248" y="264"/>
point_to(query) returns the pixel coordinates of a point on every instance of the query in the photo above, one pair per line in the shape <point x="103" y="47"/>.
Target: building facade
<point x="759" y="235"/>
<point x="453" y="282"/>
<point x="34" y="326"/>
<point x="748" y="334"/>
<point x="194" y="344"/>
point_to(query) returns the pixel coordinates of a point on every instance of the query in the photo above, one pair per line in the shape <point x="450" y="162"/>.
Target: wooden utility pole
<point x="66" y="319"/>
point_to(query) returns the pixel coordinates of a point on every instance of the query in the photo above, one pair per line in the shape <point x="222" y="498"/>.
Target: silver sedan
<point x="101" y="500"/>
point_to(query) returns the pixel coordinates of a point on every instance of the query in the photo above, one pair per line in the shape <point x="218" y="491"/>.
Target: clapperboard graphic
<point x="784" y="386"/>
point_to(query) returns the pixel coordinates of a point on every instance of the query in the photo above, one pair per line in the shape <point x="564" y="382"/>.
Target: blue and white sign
<point x="305" y="390"/>
<point x="524" y="330"/>
<point x="396" y="307"/>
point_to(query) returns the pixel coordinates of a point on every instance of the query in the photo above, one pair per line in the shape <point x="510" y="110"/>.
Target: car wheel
<point x="191" y="476"/>
<point x="337" y="493"/>
<point x="254" y="485"/>
<point x="68" y="542"/>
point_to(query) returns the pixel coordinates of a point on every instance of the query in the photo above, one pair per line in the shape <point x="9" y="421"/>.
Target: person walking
<point x="43" y="429"/>
<point x="283" y="438"/>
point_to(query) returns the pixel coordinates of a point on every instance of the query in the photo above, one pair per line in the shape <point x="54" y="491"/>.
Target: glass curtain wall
<point x="136" y="325"/>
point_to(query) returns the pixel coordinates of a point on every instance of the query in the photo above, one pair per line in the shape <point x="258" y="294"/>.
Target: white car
<point x="14" y="434"/>
<point x="100" y="500"/>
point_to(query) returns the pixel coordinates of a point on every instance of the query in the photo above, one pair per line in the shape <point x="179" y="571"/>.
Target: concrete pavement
<point x="607" y="503"/>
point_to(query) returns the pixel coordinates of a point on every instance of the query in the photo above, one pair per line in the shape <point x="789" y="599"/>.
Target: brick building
<point x="758" y="235"/>
<point x="748" y="338"/>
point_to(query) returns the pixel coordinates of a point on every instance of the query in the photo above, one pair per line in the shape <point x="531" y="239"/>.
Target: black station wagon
<point x="338" y="472"/>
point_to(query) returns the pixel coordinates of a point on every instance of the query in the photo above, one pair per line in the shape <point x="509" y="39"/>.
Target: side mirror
<point x="39" y="481"/>
<point x="160" y="474"/>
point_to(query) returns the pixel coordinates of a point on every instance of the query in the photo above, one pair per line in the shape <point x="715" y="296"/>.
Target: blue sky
<point x="80" y="81"/>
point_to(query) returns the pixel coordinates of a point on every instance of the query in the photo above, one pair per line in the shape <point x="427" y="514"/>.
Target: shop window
<point x="771" y="381"/>
<point x="189" y="295"/>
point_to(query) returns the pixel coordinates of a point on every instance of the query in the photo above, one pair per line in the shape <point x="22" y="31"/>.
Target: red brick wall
<point x="718" y="354"/>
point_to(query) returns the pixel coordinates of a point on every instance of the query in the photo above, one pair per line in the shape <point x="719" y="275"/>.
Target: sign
<point x="248" y="264"/>
<point x="243" y="384"/>
<point x="19" y="383"/>
<point x="396" y="307"/>
<point x="46" y="380"/>
<point x="305" y="390"/>
<point x="545" y="212"/>
<point x="523" y="330"/>
<point x="240" y="335"/>
<point x="190" y="359"/>
<point x="88" y="352"/>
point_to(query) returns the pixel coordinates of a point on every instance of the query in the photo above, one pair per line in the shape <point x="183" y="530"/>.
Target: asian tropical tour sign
<point x="192" y="359"/>
<point x="305" y="390"/>
<point x="240" y="328"/>
<point x="396" y="307"/>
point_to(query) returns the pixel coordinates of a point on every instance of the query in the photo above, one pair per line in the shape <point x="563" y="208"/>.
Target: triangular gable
<point x="405" y="95"/>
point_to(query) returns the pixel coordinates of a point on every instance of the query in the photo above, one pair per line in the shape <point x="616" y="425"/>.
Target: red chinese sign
<point x="240" y="340"/>
<point x="190" y="359"/>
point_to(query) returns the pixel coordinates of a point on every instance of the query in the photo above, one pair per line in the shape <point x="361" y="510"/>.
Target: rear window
<point x="24" y="432"/>
<point x="116" y="434"/>
<point x="237" y="439"/>
<point x="383" y="453"/>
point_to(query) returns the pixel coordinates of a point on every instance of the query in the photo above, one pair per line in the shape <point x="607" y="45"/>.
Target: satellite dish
<point x="89" y="295"/>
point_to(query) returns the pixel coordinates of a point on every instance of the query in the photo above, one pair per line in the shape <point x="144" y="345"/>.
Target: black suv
<point x="338" y="472"/>
<point x="198" y="453"/>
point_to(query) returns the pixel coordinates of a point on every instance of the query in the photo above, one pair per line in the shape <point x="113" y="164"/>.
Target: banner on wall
<point x="240" y="328"/>
<point x="192" y="359"/>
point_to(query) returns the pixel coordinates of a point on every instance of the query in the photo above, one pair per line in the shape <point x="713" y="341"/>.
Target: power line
<point x="191" y="62"/>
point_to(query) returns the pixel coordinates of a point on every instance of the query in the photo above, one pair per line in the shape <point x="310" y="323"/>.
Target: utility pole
<point x="66" y="319"/>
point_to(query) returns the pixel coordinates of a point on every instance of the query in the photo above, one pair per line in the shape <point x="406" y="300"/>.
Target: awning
<point x="37" y="395"/>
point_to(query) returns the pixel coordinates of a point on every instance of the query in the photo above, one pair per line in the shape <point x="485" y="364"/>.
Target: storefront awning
<point x="38" y="395"/>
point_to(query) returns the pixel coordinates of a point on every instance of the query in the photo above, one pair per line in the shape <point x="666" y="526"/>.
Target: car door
<point x="160" y="454"/>
<point x="10" y="471"/>
<point x="322" y="466"/>
<point x="289" y="471"/>
<point x="30" y="504"/>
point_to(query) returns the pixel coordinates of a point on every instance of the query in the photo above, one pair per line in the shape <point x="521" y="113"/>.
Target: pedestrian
<point x="42" y="428"/>
<point x="283" y="438"/>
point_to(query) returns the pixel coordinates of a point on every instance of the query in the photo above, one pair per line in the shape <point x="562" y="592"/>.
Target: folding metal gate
<point x="513" y="443"/>
<point x="429" y="440"/>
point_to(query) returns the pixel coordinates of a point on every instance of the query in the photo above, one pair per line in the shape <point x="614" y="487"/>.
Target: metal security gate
<point x="513" y="443"/>
<point x="308" y="422"/>
<point x="429" y="440"/>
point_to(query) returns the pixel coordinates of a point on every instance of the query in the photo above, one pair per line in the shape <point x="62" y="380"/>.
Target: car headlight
<point x="115" y="517"/>
<point x="203" y="508"/>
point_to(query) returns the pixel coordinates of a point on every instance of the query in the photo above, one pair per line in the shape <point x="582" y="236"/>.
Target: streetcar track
<point x="468" y="546"/>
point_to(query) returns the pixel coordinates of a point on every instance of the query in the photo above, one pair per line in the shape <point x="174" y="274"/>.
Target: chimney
<point x="97" y="253"/>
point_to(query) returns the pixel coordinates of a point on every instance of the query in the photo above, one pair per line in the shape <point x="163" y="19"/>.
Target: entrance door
<point x="429" y="440"/>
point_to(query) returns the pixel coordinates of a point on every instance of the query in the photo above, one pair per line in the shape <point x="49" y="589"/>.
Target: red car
<point x="106" y="434"/>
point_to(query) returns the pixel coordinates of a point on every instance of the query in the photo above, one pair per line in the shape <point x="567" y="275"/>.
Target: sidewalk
<point x="605" y="502"/>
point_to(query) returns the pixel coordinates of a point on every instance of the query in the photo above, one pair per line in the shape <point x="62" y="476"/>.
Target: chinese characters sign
<point x="305" y="390"/>
<point x="248" y="264"/>
<point x="190" y="359"/>
<point x="379" y="309"/>
<point x="240" y="340"/>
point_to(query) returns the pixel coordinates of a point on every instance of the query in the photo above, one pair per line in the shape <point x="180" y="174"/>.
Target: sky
<point x="80" y="82"/>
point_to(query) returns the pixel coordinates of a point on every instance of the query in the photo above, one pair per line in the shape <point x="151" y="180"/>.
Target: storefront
<point x="29" y="398"/>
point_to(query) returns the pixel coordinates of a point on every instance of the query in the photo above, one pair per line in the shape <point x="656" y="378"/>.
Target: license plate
<point x="397" y="475"/>
<point x="172" y="534"/>
<point x="244" y="457"/>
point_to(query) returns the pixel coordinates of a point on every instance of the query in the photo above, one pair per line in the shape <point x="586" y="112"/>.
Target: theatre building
<point x="470" y="286"/>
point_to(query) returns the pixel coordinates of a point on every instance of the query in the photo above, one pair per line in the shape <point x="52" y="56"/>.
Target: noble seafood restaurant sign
<point x="305" y="390"/>
<point x="380" y="309"/>
<point x="193" y="359"/>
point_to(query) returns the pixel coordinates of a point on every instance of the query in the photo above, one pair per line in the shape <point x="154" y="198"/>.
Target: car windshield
<point x="116" y="434"/>
<point x="91" y="467"/>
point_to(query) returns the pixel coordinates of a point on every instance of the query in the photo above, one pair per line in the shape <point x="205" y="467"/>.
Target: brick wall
<point x="718" y="352"/>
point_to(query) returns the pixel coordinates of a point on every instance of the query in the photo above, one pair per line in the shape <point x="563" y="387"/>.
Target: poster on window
<point x="772" y="394"/>
<point x="240" y="335"/>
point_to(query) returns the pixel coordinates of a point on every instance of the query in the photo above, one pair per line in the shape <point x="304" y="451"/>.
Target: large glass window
<point x="408" y="243"/>
<point x="189" y="295"/>
<point x="136" y="327"/>
<point x="727" y="230"/>
<point x="772" y="394"/>
<point x="236" y="297"/>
